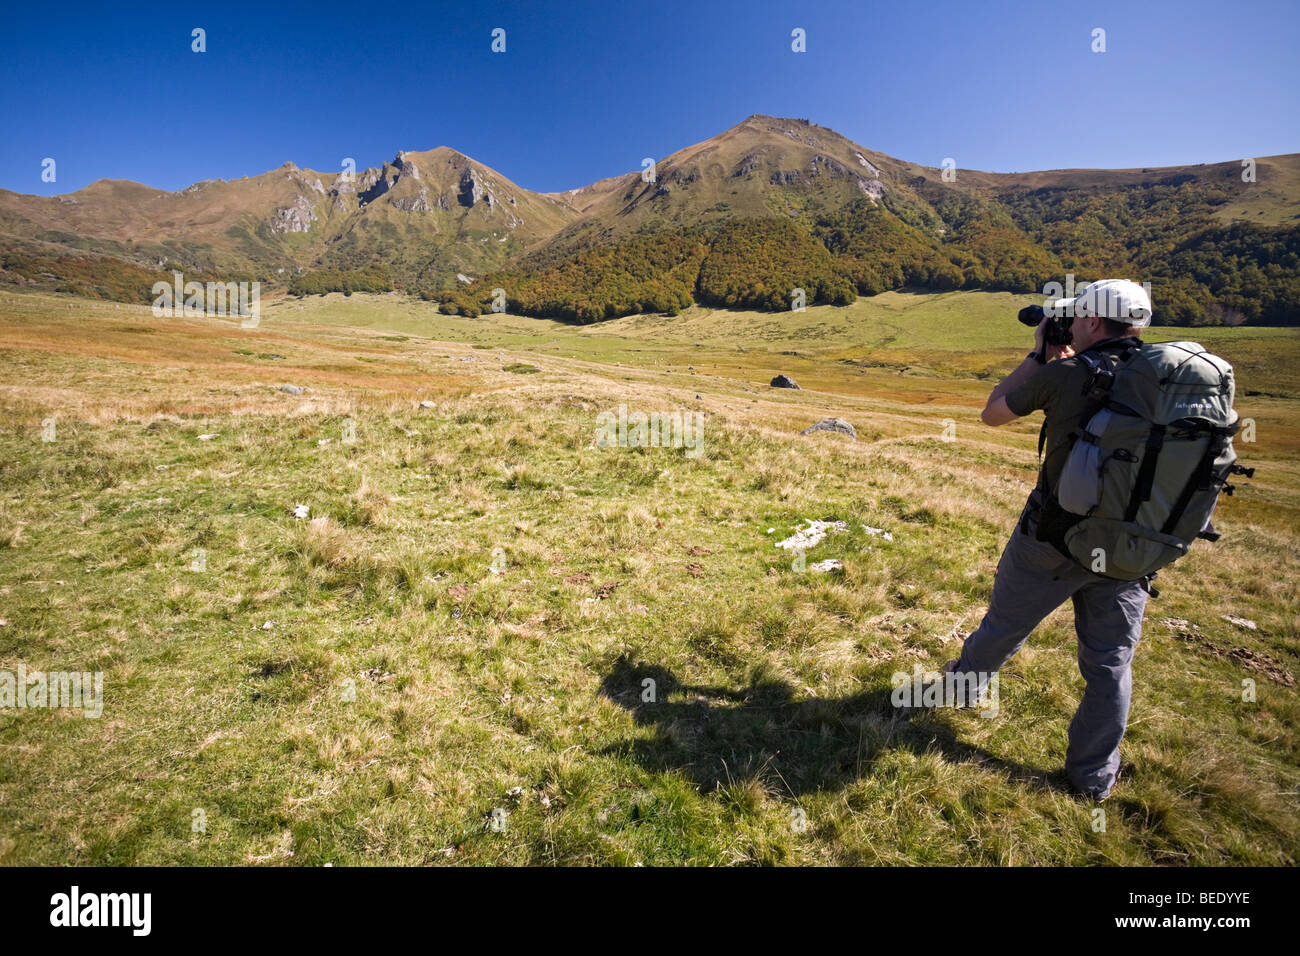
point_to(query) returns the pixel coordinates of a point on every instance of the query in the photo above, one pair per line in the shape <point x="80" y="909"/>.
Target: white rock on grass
<point x="1247" y="623"/>
<point x="827" y="566"/>
<point x="301" y="511"/>
<point x="812" y="535"/>
<point x="877" y="532"/>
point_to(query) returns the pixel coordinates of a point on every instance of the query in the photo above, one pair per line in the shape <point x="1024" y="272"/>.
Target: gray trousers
<point x="1033" y="580"/>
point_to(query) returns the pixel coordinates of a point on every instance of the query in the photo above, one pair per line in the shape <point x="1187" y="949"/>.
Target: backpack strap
<point x="1202" y="477"/>
<point x="1102" y="359"/>
<point x="1147" y="472"/>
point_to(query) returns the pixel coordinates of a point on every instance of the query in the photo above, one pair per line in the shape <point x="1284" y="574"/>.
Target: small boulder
<point x="784" y="381"/>
<point x="832" y="425"/>
<point x="291" y="389"/>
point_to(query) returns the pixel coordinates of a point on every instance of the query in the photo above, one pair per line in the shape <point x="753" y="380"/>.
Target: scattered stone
<point x="783" y="381"/>
<point x="1241" y="622"/>
<point x="427" y="404"/>
<point x="832" y="425"/>
<point x="208" y="437"/>
<point x="812" y="535"/>
<point x="877" y="532"/>
<point x="301" y="511"/>
<point x="827" y="566"/>
<point x="1261" y="663"/>
<point x="291" y="389"/>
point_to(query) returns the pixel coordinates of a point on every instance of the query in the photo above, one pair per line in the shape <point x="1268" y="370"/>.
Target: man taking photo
<point x="1034" y="577"/>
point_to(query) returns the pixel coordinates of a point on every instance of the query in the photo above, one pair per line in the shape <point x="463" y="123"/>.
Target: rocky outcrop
<point x="471" y="190"/>
<point x="295" y="218"/>
<point x="783" y="381"/>
<point x="832" y="166"/>
<point x="872" y="187"/>
<point x="418" y="203"/>
<point x="374" y="183"/>
<point x="867" y="165"/>
<point x="405" y="166"/>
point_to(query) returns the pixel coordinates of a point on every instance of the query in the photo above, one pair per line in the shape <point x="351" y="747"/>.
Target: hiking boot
<point x="951" y="668"/>
<point x="1096" y="797"/>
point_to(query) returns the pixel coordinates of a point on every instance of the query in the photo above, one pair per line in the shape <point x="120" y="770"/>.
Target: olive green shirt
<point x="1056" y="389"/>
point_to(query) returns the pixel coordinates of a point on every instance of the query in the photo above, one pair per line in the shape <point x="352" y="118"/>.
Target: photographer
<point x="1034" y="577"/>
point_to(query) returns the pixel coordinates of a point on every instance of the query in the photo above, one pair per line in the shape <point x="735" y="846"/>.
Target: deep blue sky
<point x="586" y="89"/>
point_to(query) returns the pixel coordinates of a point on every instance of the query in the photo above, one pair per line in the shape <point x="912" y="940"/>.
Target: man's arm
<point x="996" y="411"/>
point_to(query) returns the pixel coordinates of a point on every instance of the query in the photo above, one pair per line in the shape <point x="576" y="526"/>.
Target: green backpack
<point x="1147" y="460"/>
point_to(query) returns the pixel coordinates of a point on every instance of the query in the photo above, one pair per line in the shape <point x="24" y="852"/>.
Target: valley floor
<point x="445" y="660"/>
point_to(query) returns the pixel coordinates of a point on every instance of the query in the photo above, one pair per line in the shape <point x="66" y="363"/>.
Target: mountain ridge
<point x="431" y="218"/>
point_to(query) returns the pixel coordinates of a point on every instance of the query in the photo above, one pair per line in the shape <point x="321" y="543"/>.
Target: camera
<point x="1056" y="332"/>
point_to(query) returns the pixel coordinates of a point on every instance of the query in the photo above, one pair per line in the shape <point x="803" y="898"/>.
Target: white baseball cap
<point x="1120" y="299"/>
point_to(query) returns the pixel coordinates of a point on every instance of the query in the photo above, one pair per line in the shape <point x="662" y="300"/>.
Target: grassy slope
<point x="620" y="564"/>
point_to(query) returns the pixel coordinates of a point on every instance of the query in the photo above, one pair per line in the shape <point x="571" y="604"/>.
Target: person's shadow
<point x="720" y="736"/>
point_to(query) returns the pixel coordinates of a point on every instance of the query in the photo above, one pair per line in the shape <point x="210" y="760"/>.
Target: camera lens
<point x="1031" y="315"/>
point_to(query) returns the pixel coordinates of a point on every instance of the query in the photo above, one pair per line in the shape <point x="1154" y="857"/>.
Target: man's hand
<point x="1050" y="353"/>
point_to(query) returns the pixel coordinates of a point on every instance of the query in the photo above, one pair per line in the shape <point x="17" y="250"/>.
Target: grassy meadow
<point x="445" y="660"/>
